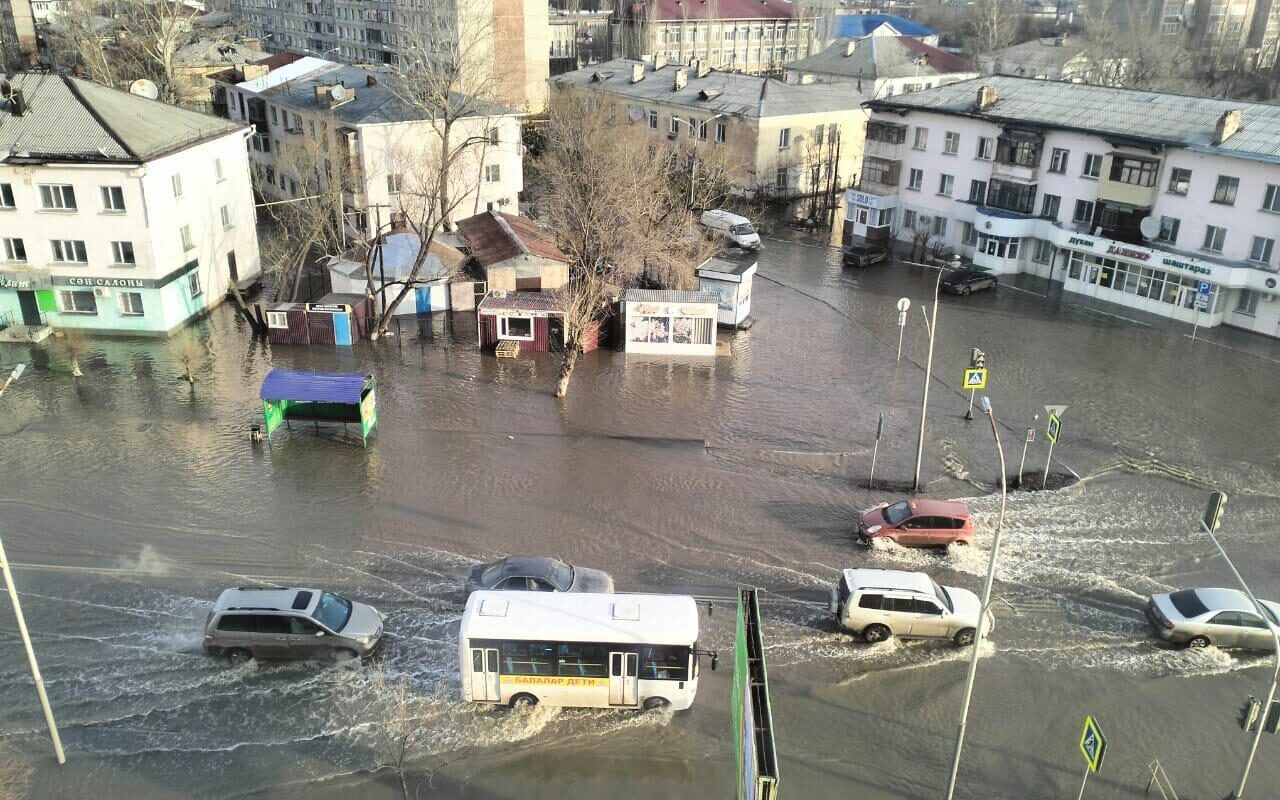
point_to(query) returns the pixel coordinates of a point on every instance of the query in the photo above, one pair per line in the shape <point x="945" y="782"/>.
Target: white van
<point x="734" y="227"/>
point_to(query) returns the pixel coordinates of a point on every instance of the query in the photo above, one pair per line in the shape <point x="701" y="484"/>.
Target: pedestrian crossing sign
<point x="1055" y="428"/>
<point x="975" y="379"/>
<point x="1093" y="744"/>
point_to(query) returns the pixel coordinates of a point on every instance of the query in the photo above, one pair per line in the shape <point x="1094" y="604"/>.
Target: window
<point x="1043" y="251"/>
<point x="1017" y="197"/>
<point x="277" y="319"/>
<point x="193" y="284"/>
<point x="701" y="128"/>
<point x="217" y="170"/>
<point x="1134" y="171"/>
<point x="886" y="132"/>
<point x="274" y="120"/>
<point x="131" y="304"/>
<point x="675" y="125"/>
<point x="493" y="136"/>
<point x="185" y="233"/>
<point x="922" y="138"/>
<point x="915" y="179"/>
<point x="1225" y="191"/>
<point x="662" y="663"/>
<point x="1018" y="149"/>
<point x="6" y="195"/>
<point x="945" y="184"/>
<point x="14" y="250"/>
<point x="951" y="143"/>
<point x="69" y="251"/>
<point x="780" y="178"/>
<point x="1092" y="165"/>
<point x="784" y="138"/>
<point x="653" y="120"/>
<point x="77" y="302"/>
<point x="57" y="197"/>
<point x="1247" y="302"/>
<point x="1271" y="202"/>
<point x="528" y="658"/>
<point x="986" y="148"/>
<point x="492" y="173"/>
<point x="1050" y="206"/>
<point x="122" y="253"/>
<point x="939" y="226"/>
<point x="872" y="601"/>
<point x="1179" y="180"/>
<point x="393" y="183"/>
<point x="1261" y="248"/>
<point x="112" y="198"/>
<point x="1083" y="215"/>
<point x="226" y="217"/>
<point x="584" y="661"/>
<point x="1168" y="230"/>
<point x="1058" y="160"/>
<point x="977" y="192"/>
<point x="515" y="328"/>
<point x="1214" y="238"/>
<point x="176" y="180"/>
<point x="722" y="131"/>
<point x="968" y="233"/>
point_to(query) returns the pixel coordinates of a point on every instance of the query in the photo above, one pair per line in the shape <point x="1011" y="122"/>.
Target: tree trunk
<point x="566" y="369"/>
<point x="256" y="326"/>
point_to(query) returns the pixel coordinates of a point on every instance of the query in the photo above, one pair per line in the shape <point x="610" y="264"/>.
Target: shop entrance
<point x="30" y="308"/>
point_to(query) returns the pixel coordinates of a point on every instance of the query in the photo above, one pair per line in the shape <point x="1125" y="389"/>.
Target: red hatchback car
<point x="918" y="523"/>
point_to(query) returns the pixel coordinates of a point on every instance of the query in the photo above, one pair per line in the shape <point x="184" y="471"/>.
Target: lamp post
<point x="928" y="371"/>
<point x="985" y="608"/>
<point x="693" y="132"/>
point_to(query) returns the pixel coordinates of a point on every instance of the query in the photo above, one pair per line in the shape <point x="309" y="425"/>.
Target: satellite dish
<point x="337" y="93"/>
<point x="144" y="88"/>
<point x="1149" y="227"/>
<point x="635" y="113"/>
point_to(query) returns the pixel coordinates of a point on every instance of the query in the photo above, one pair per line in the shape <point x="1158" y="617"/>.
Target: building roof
<point x="677" y="10"/>
<point x="875" y="57"/>
<point x="859" y="25"/>
<point x="212" y="53"/>
<point x="373" y="98"/>
<point x="669" y="296"/>
<point x="314" y="387"/>
<point x="494" y="237"/>
<point x="519" y="301"/>
<point x="399" y="251"/>
<point x="1153" y="117"/>
<point x="68" y="119"/>
<point x="725" y="93"/>
<point x="1037" y="55"/>
<point x="728" y="265"/>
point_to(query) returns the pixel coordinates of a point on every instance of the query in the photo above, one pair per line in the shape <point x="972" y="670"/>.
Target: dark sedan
<point x="968" y="279"/>
<point x="862" y="255"/>
<point x="537" y="574"/>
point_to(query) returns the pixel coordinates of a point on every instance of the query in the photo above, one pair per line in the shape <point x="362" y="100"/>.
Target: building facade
<point x="1147" y="200"/>
<point x="773" y="138"/>
<point x="313" y="113"/>
<point x="882" y="65"/>
<point x="118" y="214"/>
<point x="507" y="39"/>
<point x="752" y="36"/>
<point x="1223" y="33"/>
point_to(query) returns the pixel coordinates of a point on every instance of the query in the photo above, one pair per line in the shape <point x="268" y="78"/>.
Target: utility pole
<point x="928" y="373"/>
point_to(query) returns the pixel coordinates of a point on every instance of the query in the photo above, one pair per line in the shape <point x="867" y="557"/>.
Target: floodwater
<point x="129" y="500"/>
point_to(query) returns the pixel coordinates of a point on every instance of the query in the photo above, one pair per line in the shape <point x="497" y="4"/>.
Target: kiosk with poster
<point x="666" y="322"/>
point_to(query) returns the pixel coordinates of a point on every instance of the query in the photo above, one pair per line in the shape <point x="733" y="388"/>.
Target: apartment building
<point x="777" y="139"/>
<point x="118" y="213"/>
<point x="752" y="36"/>
<point x="18" y="44"/>
<point x="380" y="145"/>
<point x="1164" y="203"/>
<point x="508" y="39"/>
<point x="1224" y="33"/>
<point x="882" y="65"/>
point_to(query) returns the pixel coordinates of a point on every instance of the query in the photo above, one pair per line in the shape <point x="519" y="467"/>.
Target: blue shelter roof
<point x="313" y="387"/>
<point x="859" y="25"/>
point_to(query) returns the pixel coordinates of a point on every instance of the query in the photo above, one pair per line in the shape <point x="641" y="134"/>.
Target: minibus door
<point x="624" y="679"/>
<point x="484" y="675"/>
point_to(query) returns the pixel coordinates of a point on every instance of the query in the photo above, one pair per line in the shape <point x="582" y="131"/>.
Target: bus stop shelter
<point x="319" y="397"/>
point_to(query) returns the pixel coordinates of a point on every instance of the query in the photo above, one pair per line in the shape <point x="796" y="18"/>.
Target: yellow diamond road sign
<point x="1093" y="744"/>
<point x="1055" y="428"/>
<point x="975" y="379"/>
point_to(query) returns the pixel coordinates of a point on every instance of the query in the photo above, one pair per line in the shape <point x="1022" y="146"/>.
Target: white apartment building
<point x="384" y="142"/>
<point x="118" y="213"/>
<point x="1143" y="199"/>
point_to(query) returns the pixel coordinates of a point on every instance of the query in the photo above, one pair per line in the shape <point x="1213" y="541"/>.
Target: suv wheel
<point x="965" y="637"/>
<point x="345" y="655"/>
<point x="238" y="656"/>
<point x="875" y="634"/>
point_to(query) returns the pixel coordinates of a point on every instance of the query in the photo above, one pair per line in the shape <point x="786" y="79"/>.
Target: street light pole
<point x="928" y="374"/>
<point x="984" y="609"/>
<point x="1026" y="440"/>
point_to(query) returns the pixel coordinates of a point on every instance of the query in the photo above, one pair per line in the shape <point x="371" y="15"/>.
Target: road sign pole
<point x="1026" y="442"/>
<point x="969" y="414"/>
<point x="1084" y="782"/>
<point x="1044" y="479"/>
<point x="875" y="449"/>
<point x="902" y="318"/>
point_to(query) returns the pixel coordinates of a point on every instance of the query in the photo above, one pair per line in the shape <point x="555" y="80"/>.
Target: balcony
<point x="1015" y="172"/>
<point x="1128" y="181"/>
<point x="258" y="113"/>
<point x="880" y="175"/>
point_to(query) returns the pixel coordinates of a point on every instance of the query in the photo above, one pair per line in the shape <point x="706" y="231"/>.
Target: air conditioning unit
<point x="101" y="292"/>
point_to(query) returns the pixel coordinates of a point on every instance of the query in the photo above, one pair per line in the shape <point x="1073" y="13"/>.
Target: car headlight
<point x="365" y="641"/>
<point x="874" y="528"/>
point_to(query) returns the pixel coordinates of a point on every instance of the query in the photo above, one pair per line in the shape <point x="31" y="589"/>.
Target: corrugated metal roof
<point x="519" y="301"/>
<point x="669" y="296"/>
<point x="494" y="237"/>
<point x="728" y="93"/>
<point x="313" y="387"/>
<point x="882" y="57"/>
<point x="74" y="120"/>
<point x="864" y="24"/>
<point x="1156" y="117"/>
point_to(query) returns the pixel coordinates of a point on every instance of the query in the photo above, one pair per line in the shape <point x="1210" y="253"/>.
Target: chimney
<point x="682" y="78"/>
<point x="659" y="61"/>
<point x="252" y="71"/>
<point x="252" y="43"/>
<point x="987" y="97"/>
<point x="850" y="46"/>
<point x="1224" y="129"/>
<point x="17" y="103"/>
<point x="322" y="96"/>
<point x="702" y="67"/>
<point x="637" y="73"/>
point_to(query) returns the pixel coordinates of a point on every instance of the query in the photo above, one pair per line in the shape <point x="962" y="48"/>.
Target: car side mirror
<point x="715" y="661"/>
<point x="319" y="633"/>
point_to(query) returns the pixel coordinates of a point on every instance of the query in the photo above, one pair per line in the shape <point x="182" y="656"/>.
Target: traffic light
<point x="982" y="360"/>
<point x="977" y="358"/>
<point x="1249" y="713"/>
<point x="1213" y="512"/>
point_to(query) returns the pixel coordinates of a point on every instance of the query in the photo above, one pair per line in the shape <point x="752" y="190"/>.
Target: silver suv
<point x="290" y="623"/>
<point x="880" y="603"/>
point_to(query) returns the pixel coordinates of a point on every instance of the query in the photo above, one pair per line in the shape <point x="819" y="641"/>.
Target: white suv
<point x="880" y="603"/>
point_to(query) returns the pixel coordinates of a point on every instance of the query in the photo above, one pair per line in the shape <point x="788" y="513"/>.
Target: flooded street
<point x="130" y="501"/>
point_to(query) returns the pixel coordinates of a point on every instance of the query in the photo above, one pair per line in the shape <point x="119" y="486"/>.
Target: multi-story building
<point x="1223" y="33"/>
<point x="507" y="40"/>
<point x="311" y="114"/>
<point x="849" y="23"/>
<point x="118" y="213"/>
<point x="778" y="139"/>
<point x="882" y="65"/>
<point x="752" y="36"/>
<point x="1143" y="199"/>
<point x="18" y="43"/>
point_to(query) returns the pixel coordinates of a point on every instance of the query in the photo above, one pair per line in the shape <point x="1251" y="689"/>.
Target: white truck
<point x="734" y="227"/>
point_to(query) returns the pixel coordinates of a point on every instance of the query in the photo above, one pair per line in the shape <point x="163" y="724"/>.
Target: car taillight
<point x="1166" y="622"/>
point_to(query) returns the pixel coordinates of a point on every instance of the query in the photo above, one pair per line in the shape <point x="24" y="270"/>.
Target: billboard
<point x="757" y="758"/>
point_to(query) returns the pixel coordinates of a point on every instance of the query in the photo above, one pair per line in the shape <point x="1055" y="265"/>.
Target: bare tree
<point x="1123" y="49"/>
<point x="921" y="235"/>
<point x="190" y="354"/>
<point x="74" y="345"/>
<point x="15" y="774"/>
<point x="619" y="211"/>
<point x="994" y="24"/>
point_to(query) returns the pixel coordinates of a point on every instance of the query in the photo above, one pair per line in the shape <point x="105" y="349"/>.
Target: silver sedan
<point x="537" y="574"/>
<point x="1220" y="617"/>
